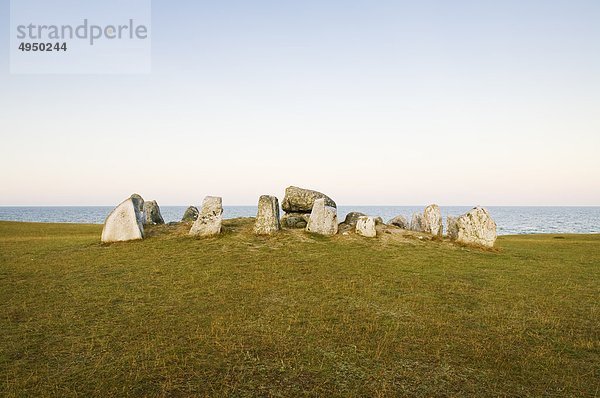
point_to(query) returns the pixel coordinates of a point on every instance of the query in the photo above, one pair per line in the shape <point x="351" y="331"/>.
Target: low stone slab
<point x="400" y="222"/>
<point x="210" y="219"/>
<point x="295" y="220"/>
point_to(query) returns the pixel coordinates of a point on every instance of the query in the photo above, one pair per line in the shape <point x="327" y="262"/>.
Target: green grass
<point x="295" y="315"/>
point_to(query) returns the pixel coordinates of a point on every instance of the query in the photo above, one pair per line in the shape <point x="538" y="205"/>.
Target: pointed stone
<point x="125" y="222"/>
<point x="475" y="227"/>
<point x="210" y="218"/>
<point x="152" y="212"/>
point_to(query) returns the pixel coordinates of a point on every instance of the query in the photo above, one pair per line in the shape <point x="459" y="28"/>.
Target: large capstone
<point x="267" y="217"/>
<point x="433" y="220"/>
<point x="152" y="211"/>
<point x="323" y="218"/>
<point x="365" y="226"/>
<point x="400" y="222"/>
<point x="191" y="214"/>
<point x="300" y="200"/>
<point x="210" y="218"/>
<point x="125" y="222"/>
<point x="475" y="227"/>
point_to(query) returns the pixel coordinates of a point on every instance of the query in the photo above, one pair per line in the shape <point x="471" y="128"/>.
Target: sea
<point x="511" y="220"/>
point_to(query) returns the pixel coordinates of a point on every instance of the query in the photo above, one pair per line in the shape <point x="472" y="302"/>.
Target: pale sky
<point x="371" y="102"/>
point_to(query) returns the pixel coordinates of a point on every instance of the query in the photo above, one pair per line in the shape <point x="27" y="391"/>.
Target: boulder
<point x="267" y="218"/>
<point x="400" y="221"/>
<point x="152" y="212"/>
<point x="138" y="202"/>
<point x="352" y="218"/>
<point x="379" y="220"/>
<point x="300" y="200"/>
<point x="125" y="222"/>
<point x="365" y="226"/>
<point x="475" y="227"/>
<point x="210" y="218"/>
<point x="323" y="218"/>
<point x="191" y="214"/>
<point x="433" y="220"/>
<point x="417" y="223"/>
<point x="295" y="220"/>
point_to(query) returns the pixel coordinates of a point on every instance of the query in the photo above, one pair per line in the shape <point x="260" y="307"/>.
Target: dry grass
<point x="295" y="315"/>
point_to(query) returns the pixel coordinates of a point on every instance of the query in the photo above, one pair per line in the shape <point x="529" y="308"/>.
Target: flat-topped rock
<point x="475" y="227"/>
<point x="210" y="219"/>
<point x="152" y="212"/>
<point x="125" y="222"/>
<point x="191" y="214"/>
<point x="323" y="219"/>
<point x="365" y="226"/>
<point x="300" y="200"/>
<point x="267" y="217"/>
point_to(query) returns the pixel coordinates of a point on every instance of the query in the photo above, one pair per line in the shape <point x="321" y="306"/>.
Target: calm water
<point x="510" y="220"/>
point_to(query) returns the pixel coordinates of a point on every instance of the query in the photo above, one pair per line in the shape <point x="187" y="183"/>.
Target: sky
<point x="372" y="102"/>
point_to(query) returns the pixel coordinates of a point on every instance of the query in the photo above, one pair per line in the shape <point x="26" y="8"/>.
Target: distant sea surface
<point x="510" y="220"/>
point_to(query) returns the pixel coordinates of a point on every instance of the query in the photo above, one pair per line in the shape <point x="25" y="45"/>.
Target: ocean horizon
<point x="511" y="220"/>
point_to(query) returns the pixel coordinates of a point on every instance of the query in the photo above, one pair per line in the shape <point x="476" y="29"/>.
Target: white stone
<point x="365" y="226"/>
<point x="210" y="219"/>
<point x="323" y="219"/>
<point x="125" y="222"/>
<point x="475" y="227"/>
<point x="267" y="217"/>
<point x="433" y="220"/>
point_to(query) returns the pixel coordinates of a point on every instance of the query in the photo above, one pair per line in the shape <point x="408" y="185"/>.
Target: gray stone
<point x="378" y="220"/>
<point x="267" y="217"/>
<point x="210" y="218"/>
<point x="152" y="211"/>
<point x="300" y="200"/>
<point x="191" y="214"/>
<point x="352" y="218"/>
<point x="295" y="220"/>
<point x="323" y="219"/>
<point x="475" y="227"/>
<point x="365" y="226"/>
<point x="125" y="222"/>
<point x="433" y="220"/>
<point x="417" y="223"/>
<point x="400" y="221"/>
<point x="138" y="203"/>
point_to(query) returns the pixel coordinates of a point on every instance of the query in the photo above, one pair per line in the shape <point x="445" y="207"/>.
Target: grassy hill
<point x="295" y="315"/>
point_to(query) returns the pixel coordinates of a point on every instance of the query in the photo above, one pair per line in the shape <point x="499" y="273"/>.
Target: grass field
<point x="295" y="315"/>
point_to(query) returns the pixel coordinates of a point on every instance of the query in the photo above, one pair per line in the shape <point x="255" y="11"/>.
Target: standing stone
<point x="323" y="219"/>
<point x="152" y="211"/>
<point x="138" y="202"/>
<point x="267" y="218"/>
<point x="191" y="214"/>
<point x="124" y="222"/>
<point x="300" y="200"/>
<point x="210" y="218"/>
<point x="400" y="221"/>
<point x="417" y="223"/>
<point x="365" y="226"/>
<point x="475" y="227"/>
<point x="433" y="220"/>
